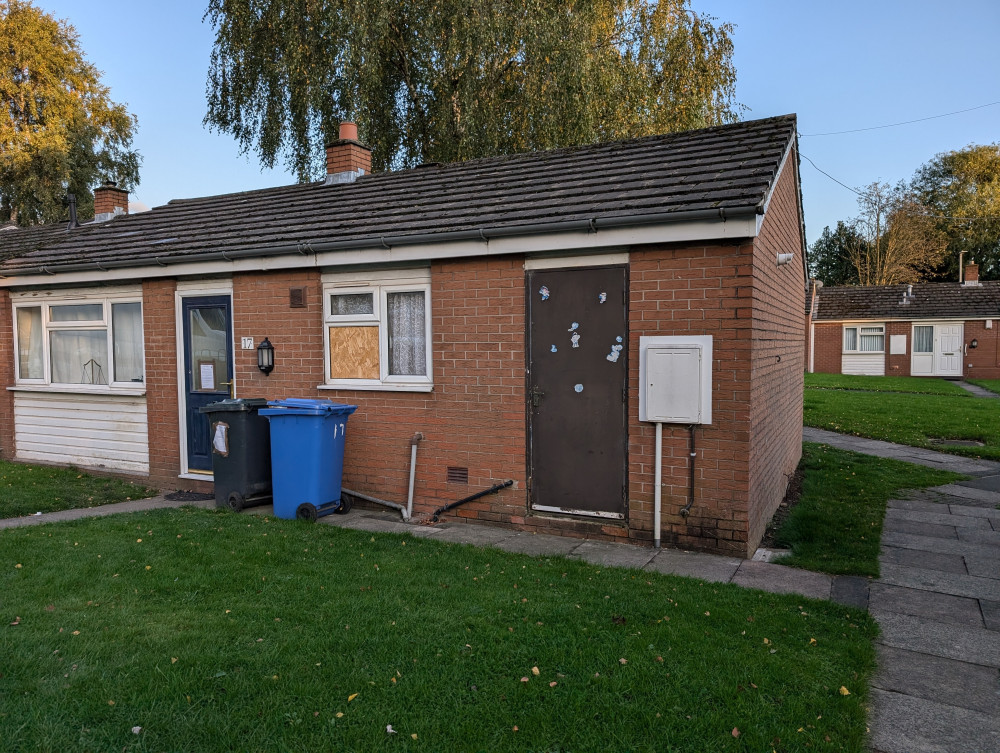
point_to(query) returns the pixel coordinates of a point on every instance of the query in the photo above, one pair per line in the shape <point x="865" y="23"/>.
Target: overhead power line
<point x="839" y="183"/>
<point x="901" y="123"/>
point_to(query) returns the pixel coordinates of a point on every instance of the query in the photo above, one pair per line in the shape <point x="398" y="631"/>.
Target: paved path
<point x="135" y="505"/>
<point x="978" y="391"/>
<point x="937" y="689"/>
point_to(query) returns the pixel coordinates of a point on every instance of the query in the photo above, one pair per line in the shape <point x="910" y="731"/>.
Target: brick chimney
<point x="347" y="159"/>
<point x="971" y="274"/>
<point x="109" y="201"/>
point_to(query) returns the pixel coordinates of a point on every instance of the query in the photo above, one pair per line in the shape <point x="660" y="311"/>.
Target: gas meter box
<point x="675" y="379"/>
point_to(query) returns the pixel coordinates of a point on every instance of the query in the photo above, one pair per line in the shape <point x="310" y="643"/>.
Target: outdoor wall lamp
<point x="974" y="343"/>
<point x="265" y="356"/>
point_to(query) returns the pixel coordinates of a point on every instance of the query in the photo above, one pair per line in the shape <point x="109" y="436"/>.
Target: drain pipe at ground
<point x="686" y="510"/>
<point x="377" y="501"/>
<point x="657" y="491"/>
<point x="413" y="472"/>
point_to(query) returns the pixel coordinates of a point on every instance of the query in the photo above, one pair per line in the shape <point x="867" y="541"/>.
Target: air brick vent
<point x="297" y="298"/>
<point x="458" y="475"/>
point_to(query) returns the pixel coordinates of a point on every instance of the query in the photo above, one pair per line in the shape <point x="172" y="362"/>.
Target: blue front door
<point x="208" y="370"/>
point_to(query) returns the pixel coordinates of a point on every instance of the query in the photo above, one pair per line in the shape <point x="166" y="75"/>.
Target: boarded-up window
<point x="354" y="353"/>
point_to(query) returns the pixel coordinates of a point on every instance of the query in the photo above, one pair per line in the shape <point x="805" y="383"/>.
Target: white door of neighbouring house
<point x="948" y="349"/>
<point x="937" y="350"/>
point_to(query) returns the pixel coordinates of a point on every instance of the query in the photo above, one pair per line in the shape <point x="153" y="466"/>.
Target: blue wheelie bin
<point x="307" y="456"/>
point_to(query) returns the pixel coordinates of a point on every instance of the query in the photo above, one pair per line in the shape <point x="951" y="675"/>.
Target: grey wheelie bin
<point x="241" y="452"/>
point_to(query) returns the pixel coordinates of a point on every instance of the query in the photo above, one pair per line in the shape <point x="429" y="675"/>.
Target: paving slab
<point x="538" y="544"/>
<point x="923" y="505"/>
<point x="894" y="525"/>
<point x="979" y="536"/>
<point x="715" y="568"/>
<point x="968" y="492"/>
<point x="991" y="614"/>
<point x="968" y="686"/>
<point x="990" y="513"/>
<point x="983" y="567"/>
<point x="942" y="518"/>
<point x="972" y="645"/>
<point x="933" y="544"/>
<point x="905" y="724"/>
<point x="613" y="555"/>
<point x="850" y="590"/>
<point x="987" y="483"/>
<point x="949" y="563"/>
<point x="381" y="525"/>
<point x="945" y="583"/>
<point x="957" y="610"/>
<point x="467" y="533"/>
<point x="780" y="579"/>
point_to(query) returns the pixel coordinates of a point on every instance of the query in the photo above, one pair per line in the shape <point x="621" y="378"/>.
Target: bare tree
<point x="896" y="239"/>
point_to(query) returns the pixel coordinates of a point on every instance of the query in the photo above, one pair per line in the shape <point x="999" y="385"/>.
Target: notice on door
<point x="206" y="372"/>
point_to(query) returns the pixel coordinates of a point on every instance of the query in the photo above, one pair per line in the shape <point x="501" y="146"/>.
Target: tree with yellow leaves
<point x="62" y="132"/>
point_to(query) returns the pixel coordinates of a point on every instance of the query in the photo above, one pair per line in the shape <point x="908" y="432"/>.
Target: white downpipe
<point x="657" y="493"/>
<point x="413" y="473"/>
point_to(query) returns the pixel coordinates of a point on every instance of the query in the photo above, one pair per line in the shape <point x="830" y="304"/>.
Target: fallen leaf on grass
<point x="812" y="641"/>
<point x="844" y="691"/>
<point x="18" y="566"/>
<point x="736" y="732"/>
<point x="173" y="659"/>
<point x="524" y="679"/>
<point x="535" y="671"/>
<point x="389" y="730"/>
<point x="339" y="714"/>
<point x="351" y="697"/>
<point x="136" y="730"/>
<point x="553" y="684"/>
<point x="414" y="735"/>
<point x="623" y="661"/>
<point x="17" y="621"/>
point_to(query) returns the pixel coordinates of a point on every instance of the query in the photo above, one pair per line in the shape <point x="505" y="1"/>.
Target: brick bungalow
<point x="942" y="329"/>
<point x="493" y="306"/>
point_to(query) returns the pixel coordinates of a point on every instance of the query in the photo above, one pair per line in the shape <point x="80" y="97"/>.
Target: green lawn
<point x="837" y="525"/>
<point x="908" y="419"/>
<point x="917" y="385"/>
<point x="27" y="489"/>
<point x="209" y="631"/>
<point x="993" y="385"/>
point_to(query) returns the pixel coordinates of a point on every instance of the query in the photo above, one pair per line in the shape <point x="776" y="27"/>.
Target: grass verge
<point x="913" y="385"/>
<point x="27" y="489"/>
<point x="993" y="385"/>
<point x="836" y="526"/>
<point x="204" y="630"/>
<point x="914" y="420"/>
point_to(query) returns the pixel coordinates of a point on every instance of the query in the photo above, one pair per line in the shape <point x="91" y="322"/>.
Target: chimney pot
<point x="349" y="130"/>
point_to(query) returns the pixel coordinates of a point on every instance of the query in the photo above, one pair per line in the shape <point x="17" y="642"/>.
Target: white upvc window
<point x="864" y="338"/>
<point x="85" y="342"/>
<point x="378" y="332"/>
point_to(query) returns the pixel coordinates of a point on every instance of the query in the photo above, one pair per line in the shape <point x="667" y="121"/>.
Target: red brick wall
<point x="898" y="365"/>
<point x="776" y="358"/>
<point x="7" y="356"/>
<point x="702" y="290"/>
<point x="983" y="361"/>
<point x="828" y="348"/>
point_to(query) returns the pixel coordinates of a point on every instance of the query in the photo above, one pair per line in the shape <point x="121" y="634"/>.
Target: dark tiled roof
<point x="729" y="168"/>
<point x="931" y="300"/>
<point x="18" y="241"/>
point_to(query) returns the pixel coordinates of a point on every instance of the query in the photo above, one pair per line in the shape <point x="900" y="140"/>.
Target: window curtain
<point x="79" y="356"/>
<point x="872" y="340"/>
<point x="126" y="335"/>
<point x="407" y="334"/>
<point x="923" y="339"/>
<point x="850" y="338"/>
<point x="29" y="343"/>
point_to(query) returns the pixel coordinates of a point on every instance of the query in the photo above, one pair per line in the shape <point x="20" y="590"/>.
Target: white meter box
<point x="675" y="379"/>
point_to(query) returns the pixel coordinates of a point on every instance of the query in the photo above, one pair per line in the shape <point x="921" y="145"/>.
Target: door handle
<point x="228" y="385"/>
<point x="536" y="397"/>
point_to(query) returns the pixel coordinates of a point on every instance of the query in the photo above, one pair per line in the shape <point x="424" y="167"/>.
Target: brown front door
<point x="577" y="372"/>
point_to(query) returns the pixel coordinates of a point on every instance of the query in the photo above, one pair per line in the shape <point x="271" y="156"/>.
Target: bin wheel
<point x="306" y="511"/>
<point x="236" y="502"/>
<point x="346" y="503"/>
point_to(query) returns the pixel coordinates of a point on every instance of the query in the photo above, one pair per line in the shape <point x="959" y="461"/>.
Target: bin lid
<point x="235" y="405"/>
<point x="302" y="406"/>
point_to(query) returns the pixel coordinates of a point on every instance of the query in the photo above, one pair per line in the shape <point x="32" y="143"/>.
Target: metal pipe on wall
<point x="658" y="493"/>
<point x="414" y="441"/>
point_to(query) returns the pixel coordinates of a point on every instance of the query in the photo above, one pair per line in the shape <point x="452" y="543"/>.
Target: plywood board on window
<point x="354" y="353"/>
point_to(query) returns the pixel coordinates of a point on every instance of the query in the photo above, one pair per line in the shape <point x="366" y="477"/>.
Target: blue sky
<point x="840" y="66"/>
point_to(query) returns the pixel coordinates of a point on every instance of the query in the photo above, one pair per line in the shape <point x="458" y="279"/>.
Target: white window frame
<point x="46" y="302"/>
<point x="857" y="339"/>
<point x="379" y="286"/>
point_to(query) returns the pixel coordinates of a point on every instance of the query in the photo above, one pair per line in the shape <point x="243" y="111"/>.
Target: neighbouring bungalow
<point x="519" y="313"/>
<point x="938" y="329"/>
